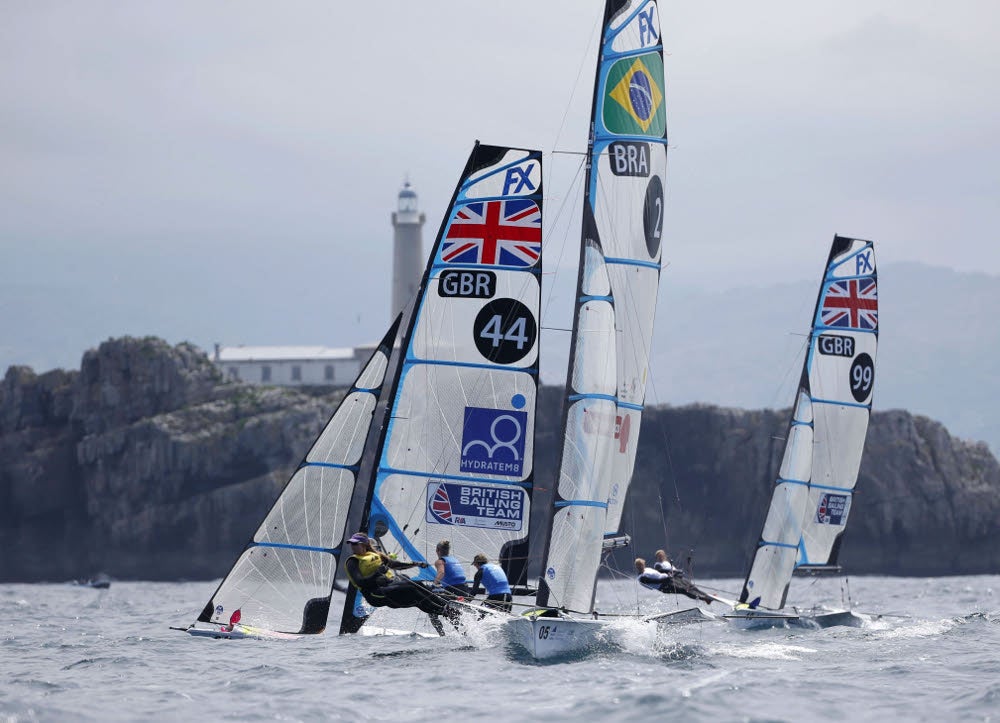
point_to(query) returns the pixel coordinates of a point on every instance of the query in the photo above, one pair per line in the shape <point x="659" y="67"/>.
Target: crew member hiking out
<point x="372" y="573"/>
<point x="668" y="582"/>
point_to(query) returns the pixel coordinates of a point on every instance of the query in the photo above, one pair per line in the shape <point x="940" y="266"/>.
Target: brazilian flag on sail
<point x="633" y="98"/>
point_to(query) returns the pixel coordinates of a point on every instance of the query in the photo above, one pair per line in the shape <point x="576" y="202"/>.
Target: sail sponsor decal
<point x="834" y="345"/>
<point x="832" y="509"/>
<point x="467" y="284"/>
<point x="505" y="331"/>
<point x="634" y="101"/>
<point x="472" y="505"/>
<point x="863" y="262"/>
<point x="649" y="24"/>
<point x="852" y="303"/>
<point x="496" y="233"/>
<point x="595" y="422"/>
<point x="629" y="158"/>
<point x="493" y="441"/>
<point x="862" y="376"/>
<point x="518" y="180"/>
<point x="613" y="497"/>
<point x="652" y="215"/>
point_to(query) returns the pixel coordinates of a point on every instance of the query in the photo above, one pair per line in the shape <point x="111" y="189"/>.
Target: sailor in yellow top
<point x="371" y="572"/>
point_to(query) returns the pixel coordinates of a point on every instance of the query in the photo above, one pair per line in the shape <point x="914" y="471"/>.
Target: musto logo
<point x="493" y="441"/>
<point x="468" y="505"/>
<point x="832" y="509"/>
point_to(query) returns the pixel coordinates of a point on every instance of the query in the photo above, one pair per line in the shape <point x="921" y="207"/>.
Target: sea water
<point x="72" y="653"/>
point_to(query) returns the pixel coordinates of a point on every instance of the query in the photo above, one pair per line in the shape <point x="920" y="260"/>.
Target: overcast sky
<point x="185" y="168"/>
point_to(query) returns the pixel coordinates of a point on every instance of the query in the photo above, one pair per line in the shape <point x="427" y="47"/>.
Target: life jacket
<point x="368" y="564"/>
<point x="454" y="574"/>
<point x="494" y="579"/>
<point x="652" y="578"/>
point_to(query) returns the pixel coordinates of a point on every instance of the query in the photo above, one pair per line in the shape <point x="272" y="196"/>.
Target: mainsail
<point x="454" y="460"/>
<point x="815" y="487"/>
<point x="283" y="580"/>
<point x="616" y="297"/>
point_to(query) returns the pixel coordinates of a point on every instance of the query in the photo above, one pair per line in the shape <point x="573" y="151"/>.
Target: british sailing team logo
<point x="496" y="507"/>
<point x="832" y="509"/>
<point x="493" y="441"/>
<point x="634" y="101"/>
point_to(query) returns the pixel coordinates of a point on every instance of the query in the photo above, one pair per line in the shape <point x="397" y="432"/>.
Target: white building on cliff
<point x="330" y="366"/>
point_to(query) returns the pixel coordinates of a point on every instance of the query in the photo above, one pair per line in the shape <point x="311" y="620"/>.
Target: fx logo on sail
<point x="648" y="34"/>
<point x="493" y="441"/>
<point x="863" y="262"/>
<point x="517" y="179"/>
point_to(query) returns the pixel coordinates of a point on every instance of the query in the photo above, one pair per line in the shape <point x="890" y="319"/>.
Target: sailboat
<point x="617" y="287"/>
<point x="814" y="490"/>
<point x="434" y="438"/>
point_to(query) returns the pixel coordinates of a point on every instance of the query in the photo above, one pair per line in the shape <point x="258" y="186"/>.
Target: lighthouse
<point x="407" y="249"/>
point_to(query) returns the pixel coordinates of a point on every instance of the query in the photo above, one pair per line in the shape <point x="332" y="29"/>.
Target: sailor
<point x="493" y="578"/>
<point x="450" y="574"/>
<point x="371" y="572"/>
<point x="663" y="564"/>
<point x="667" y="582"/>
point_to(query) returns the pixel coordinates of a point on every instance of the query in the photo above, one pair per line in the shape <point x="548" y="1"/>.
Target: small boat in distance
<point x="814" y="490"/>
<point x="98" y="582"/>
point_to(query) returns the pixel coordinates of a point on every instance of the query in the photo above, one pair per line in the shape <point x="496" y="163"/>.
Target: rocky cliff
<point x="145" y="464"/>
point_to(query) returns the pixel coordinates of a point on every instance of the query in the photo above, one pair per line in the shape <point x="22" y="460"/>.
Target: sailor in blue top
<point x="450" y="573"/>
<point x="493" y="578"/>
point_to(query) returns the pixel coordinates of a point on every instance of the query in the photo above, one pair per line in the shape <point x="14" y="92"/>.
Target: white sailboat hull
<point x="550" y="637"/>
<point x="747" y="619"/>
<point x="684" y="617"/>
<point x="816" y="618"/>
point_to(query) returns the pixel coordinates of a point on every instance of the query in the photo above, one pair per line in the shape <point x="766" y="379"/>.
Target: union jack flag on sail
<point x="497" y="233"/>
<point x="852" y="303"/>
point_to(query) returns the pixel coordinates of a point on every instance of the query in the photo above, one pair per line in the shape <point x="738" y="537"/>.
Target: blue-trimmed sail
<point x="616" y="298"/>
<point x="283" y="580"/>
<point x="815" y="487"/>
<point x="456" y="461"/>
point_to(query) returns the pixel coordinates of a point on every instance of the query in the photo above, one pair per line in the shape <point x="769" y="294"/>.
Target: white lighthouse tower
<point x="407" y="249"/>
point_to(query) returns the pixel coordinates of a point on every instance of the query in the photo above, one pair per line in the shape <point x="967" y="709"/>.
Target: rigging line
<point x="597" y="26"/>
<point x="546" y="302"/>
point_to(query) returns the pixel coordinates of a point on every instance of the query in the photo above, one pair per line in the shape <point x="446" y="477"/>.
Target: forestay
<point x="456" y="459"/>
<point x="283" y="580"/>
<point x="616" y="297"/>
<point x="815" y="487"/>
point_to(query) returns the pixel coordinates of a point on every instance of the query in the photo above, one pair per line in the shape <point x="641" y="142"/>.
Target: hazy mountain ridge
<point x="144" y="464"/>
<point x="938" y="342"/>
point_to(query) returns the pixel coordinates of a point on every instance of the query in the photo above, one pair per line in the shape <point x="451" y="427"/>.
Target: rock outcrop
<point x="145" y="464"/>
